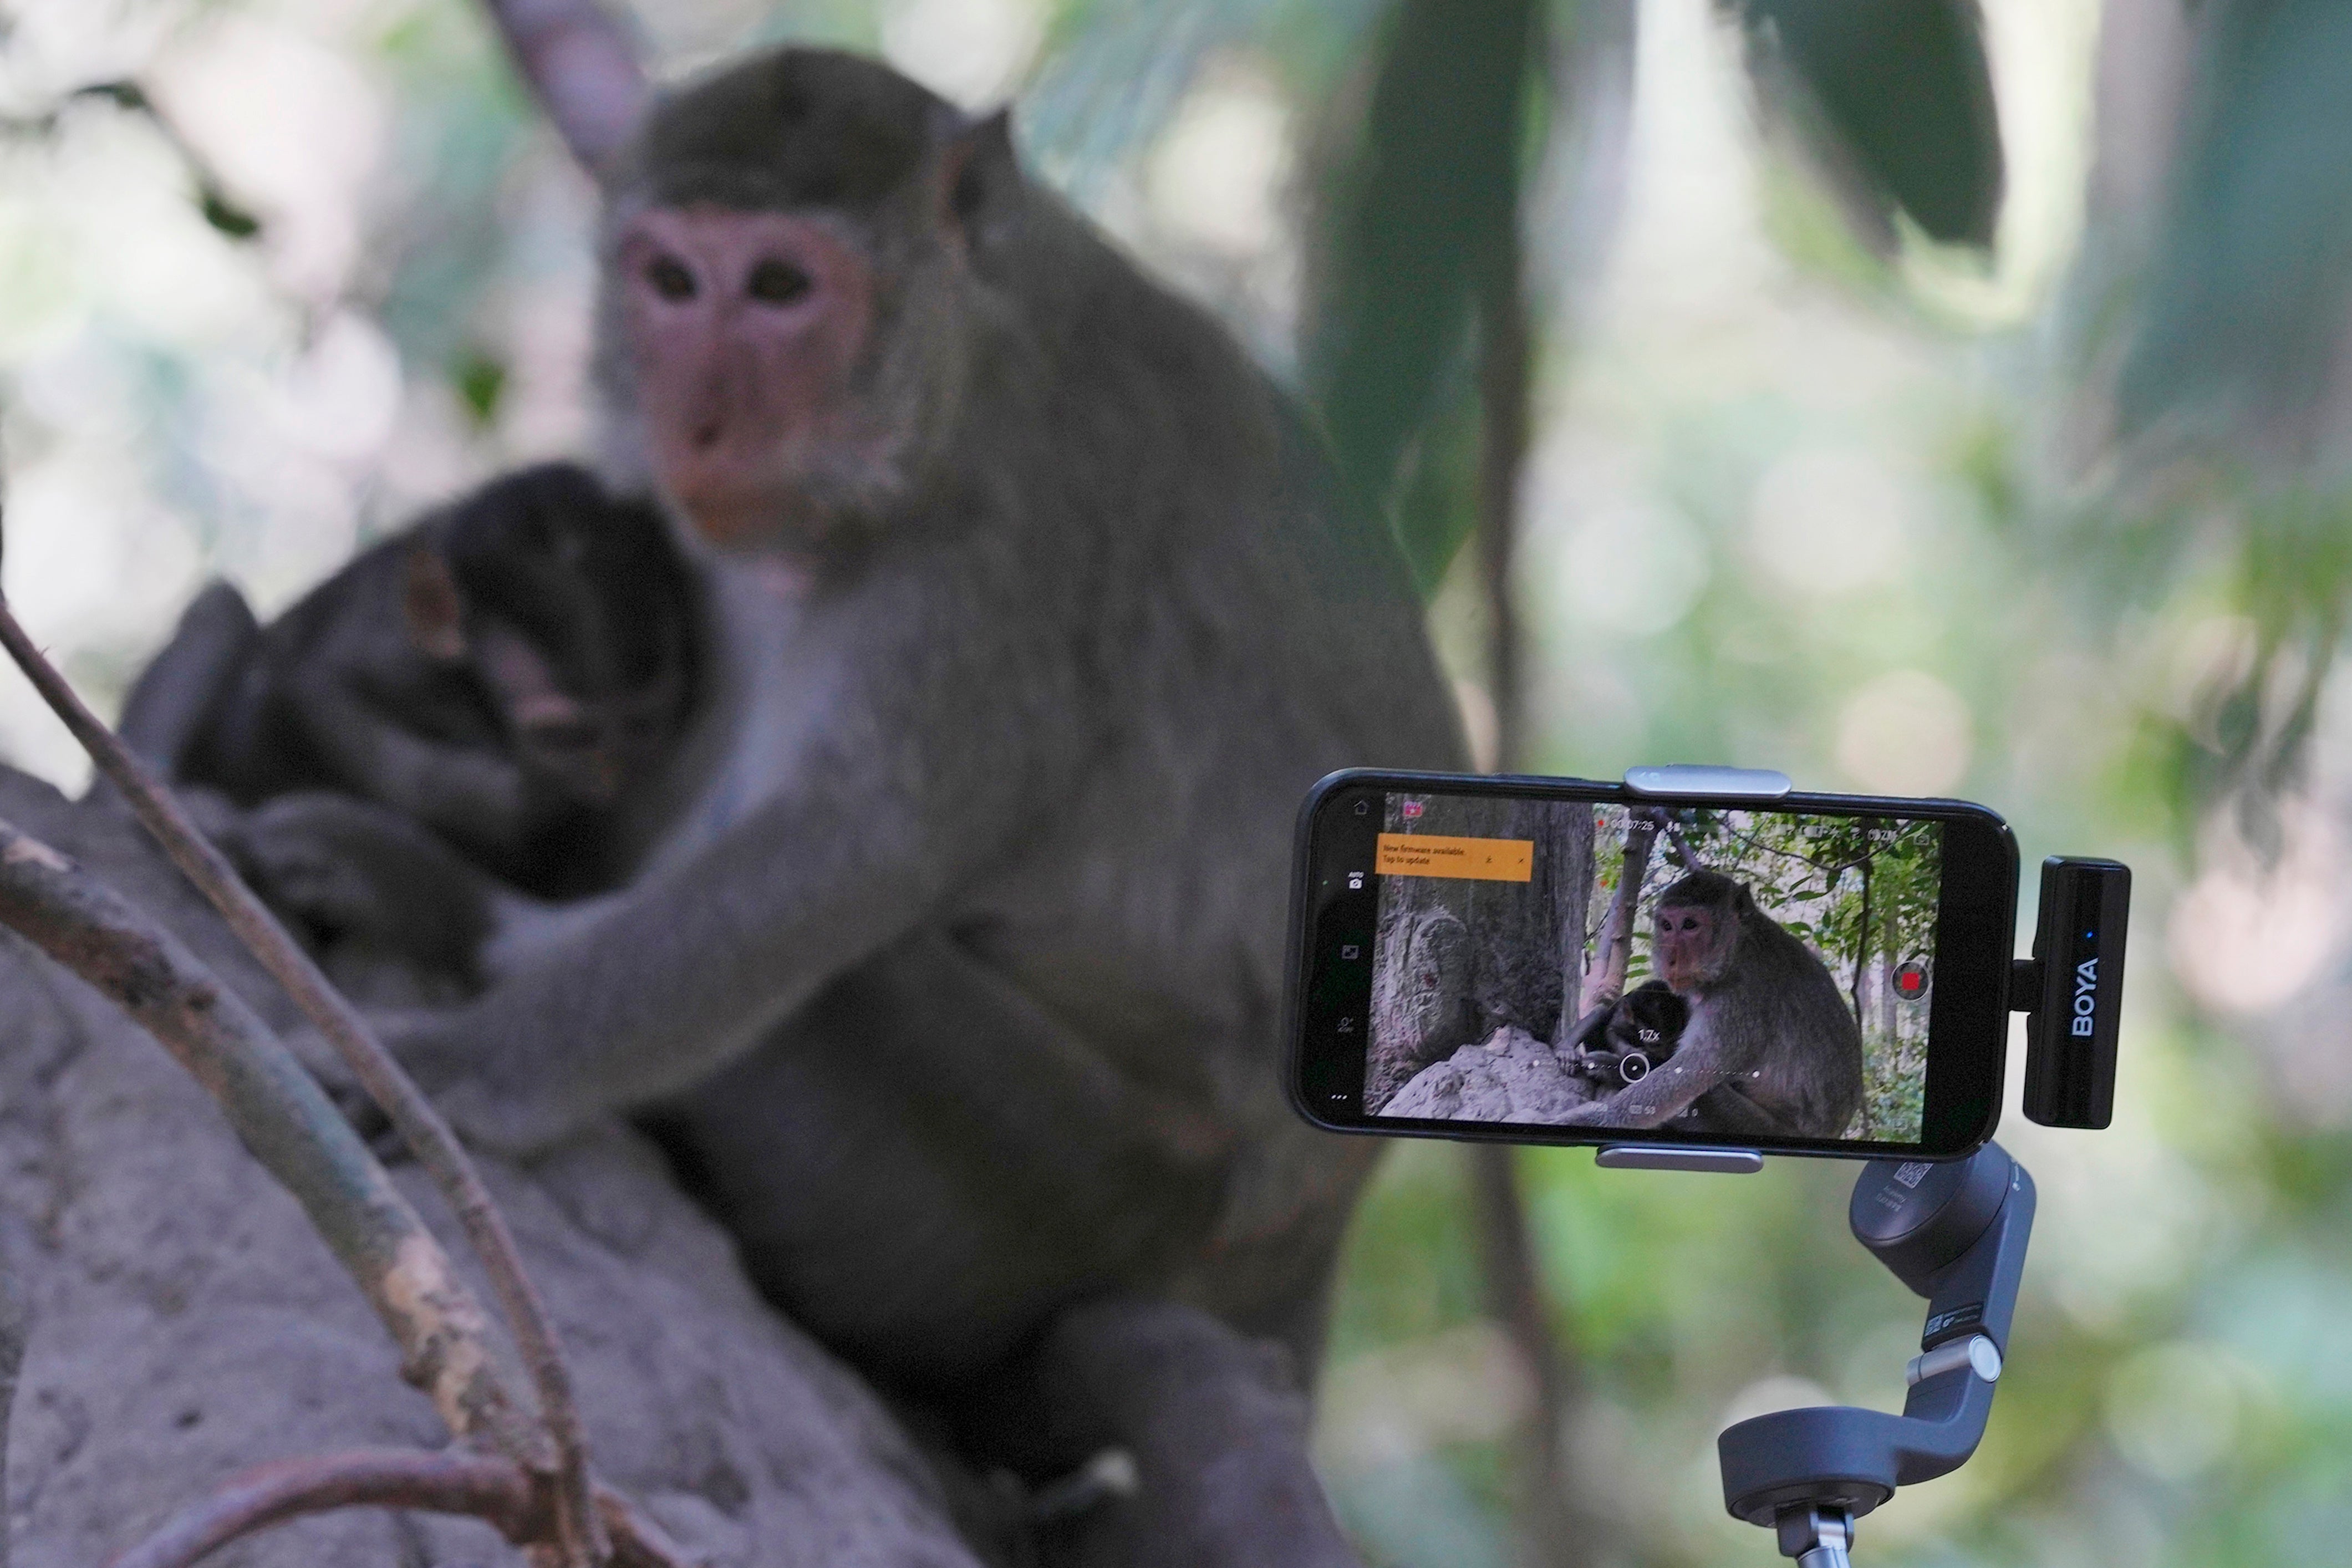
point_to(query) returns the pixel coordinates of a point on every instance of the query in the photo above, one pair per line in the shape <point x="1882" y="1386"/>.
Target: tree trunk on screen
<point x="1861" y="942"/>
<point x="1613" y="946"/>
<point x="1459" y="958"/>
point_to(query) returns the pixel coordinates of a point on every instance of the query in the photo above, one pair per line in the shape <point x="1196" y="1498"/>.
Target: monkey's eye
<point x="669" y="277"/>
<point x="774" y="282"/>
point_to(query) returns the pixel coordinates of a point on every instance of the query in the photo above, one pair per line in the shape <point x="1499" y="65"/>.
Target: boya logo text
<point x="2086" y="994"/>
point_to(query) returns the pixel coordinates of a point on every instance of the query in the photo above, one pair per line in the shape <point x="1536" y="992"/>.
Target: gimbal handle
<point x="1955" y="1232"/>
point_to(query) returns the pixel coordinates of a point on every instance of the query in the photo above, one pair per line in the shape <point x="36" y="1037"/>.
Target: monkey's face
<point x="567" y="612"/>
<point x="579" y="748"/>
<point x="746" y="330"/>
<point x="1691" y="944"/>
<point x="797" y="293"/>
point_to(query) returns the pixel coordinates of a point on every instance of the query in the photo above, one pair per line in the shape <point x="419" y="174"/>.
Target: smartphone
<point x="1557" y="961"/>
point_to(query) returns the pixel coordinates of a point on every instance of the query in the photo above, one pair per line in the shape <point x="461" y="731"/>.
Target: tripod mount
<point x="1956" y="1233"/>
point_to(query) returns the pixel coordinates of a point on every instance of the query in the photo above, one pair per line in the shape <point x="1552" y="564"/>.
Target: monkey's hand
<point x="346" y="874"/>
<point x="475" y="797"/>
<point x="326" y="1064"/>
<point x="486" y="1115"/>
<point x="475" y="1109"/>
<point x="488" y="1110"/>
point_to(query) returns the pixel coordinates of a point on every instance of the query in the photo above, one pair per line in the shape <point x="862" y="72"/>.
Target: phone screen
<point x="1566" y="962"/>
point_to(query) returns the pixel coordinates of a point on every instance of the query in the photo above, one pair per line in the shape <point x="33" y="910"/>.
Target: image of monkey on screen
<point x="1720" y="973"/>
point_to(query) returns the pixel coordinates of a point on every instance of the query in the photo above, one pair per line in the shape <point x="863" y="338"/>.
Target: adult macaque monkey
<point x="958" y="987"/>
<point x="1769" y="1033"/>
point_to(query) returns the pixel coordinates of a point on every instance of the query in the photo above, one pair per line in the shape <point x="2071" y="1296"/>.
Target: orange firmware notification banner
<point x="1479" y="860"/>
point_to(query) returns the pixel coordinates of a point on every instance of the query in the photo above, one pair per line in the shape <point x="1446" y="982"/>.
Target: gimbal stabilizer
<point x="1955" y="1232"/>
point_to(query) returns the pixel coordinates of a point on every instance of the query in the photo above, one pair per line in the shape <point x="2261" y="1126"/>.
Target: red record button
<point x="1911" y="980"/>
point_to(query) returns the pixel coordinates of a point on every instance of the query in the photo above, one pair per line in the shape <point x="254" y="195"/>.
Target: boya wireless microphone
<point x="2074" y="988"/>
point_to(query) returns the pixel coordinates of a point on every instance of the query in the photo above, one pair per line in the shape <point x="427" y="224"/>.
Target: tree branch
<point x="495" y="1490"/>
<point x="500" y="1492"/>
<point x="231" y="218"/>
<point x="582" y="67"/>
<point x="1613" y="950"/>
<point x="1554" y="1528"/>
<point x="419" y="1125"/>
<point x="284" y="1117"/>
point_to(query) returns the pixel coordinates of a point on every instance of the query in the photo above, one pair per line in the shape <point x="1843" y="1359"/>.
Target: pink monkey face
<point x="745" y="329"/>
<point x="1685" y="945"/>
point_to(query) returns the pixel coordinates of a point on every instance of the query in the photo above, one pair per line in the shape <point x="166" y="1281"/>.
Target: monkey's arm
<point x="1707" y="1058"/>
<point x="925" y="738"/>
<point x="1656" y="1098"/>
<point x="472" y="796"/>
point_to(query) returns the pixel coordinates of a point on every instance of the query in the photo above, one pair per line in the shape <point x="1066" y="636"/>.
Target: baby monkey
<point x="1625" y="1044"/>
<point x="509" y="672"/>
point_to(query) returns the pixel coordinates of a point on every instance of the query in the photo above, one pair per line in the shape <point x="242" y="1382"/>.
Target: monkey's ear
<point x="978" y="173"/>
<point x="430" y="605"/>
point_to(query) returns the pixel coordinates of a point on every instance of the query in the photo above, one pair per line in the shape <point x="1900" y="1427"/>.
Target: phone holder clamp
<point x="1955" y="1232"/>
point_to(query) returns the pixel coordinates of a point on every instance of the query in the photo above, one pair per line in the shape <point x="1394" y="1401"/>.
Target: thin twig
<point x="497" y="1490"/>
<point x="287" y="1122"/>
<point x="412" y="1116"/>
<point x="500" y="1492"/>
<point x="223" y="212"/>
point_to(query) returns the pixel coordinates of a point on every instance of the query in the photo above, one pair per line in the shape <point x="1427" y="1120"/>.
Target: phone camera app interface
<point x="1713" y="972"/>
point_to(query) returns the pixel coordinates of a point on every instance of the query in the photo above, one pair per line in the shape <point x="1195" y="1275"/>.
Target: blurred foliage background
<point x="1912" y="398"/>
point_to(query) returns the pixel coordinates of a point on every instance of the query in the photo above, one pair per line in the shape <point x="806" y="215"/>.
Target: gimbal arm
<point x="1955" y="1232"/>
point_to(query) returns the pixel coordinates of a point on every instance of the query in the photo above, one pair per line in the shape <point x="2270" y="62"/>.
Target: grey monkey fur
<point x="1039" y="737"/>
<point x="1770" y="1046"/>
<point x="956" y="983"/>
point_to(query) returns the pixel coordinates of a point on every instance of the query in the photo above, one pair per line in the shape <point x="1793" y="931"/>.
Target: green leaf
<point x="2246" y="292"/>
<point x="1425" y="198"/>
<point x="1897" y="97"/>
<point x="225" y="214"/>
<point x="481" y="381"/>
